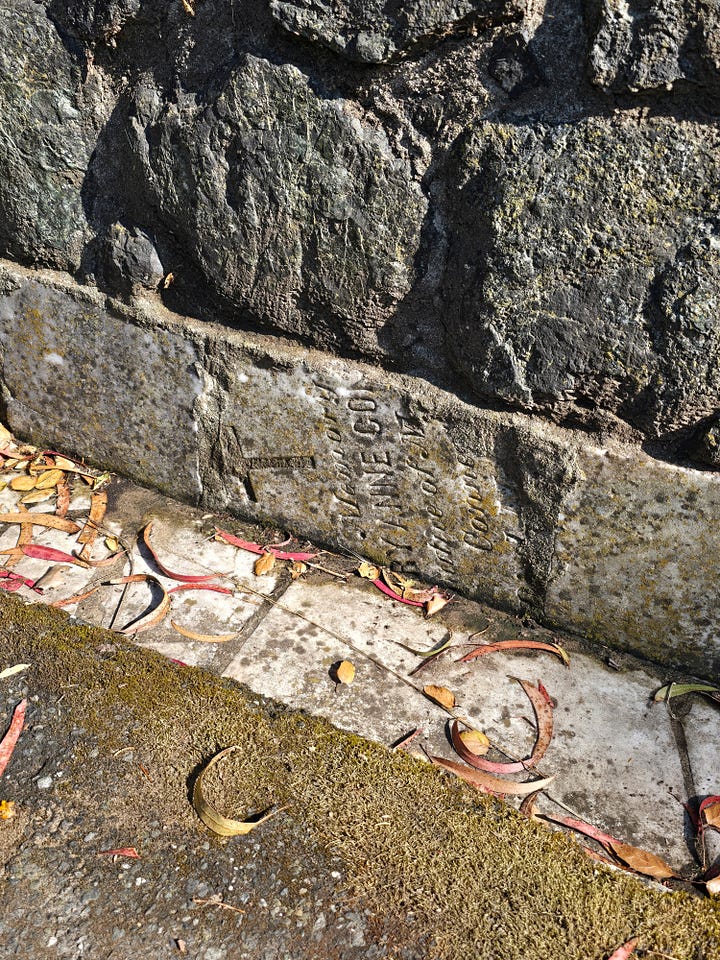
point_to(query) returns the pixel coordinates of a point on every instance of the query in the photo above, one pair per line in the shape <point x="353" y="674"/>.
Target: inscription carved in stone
<point x="353" y="464"/>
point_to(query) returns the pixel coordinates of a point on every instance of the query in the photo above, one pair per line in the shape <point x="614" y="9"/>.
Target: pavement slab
<point x="616" y="758"/>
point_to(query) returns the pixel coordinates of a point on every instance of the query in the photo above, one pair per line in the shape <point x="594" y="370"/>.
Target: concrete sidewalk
<point x="618" y="760"/>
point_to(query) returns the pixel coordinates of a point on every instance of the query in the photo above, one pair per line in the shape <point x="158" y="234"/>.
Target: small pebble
<point x="44" y="783"/>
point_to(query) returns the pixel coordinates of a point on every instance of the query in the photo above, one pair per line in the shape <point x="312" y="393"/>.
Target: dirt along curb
<point x="377" y="853"/>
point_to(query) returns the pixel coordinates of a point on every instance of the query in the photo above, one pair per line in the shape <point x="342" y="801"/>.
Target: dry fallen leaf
<point x="345" y="672"/>
<point x="475" y="741"/>
<point x="63" y="499"/>
<point x="436" y="602"/>
<point x="37" y="496"/>
<point x="642" y="861"/>
<point x="41" y="520"/>
<point x="23" y="482"/>
<point x="440" y="695"/>
<point x="223" y="826"/>
<point x="624" y="951"/>
<point x="713" y="886"/>
<point x="396" y="581"/>
<point x="120" y="852"/>
<point x="63" y="463"/>
<point x="710" y="812"/>
<point x="542" y="705"/>
<point x="516" y="645"/>
<point x="7" y="809"/>
<point x="49" y="478"/>
<point x="202" y="637"/>
<point x="489" y="784"/>
<point x="154" y="616"/>
<point x="7" y="745"/>
<point x="264" y="564"/>
<point x="368" y="570"/>
<point x="113" y="544"/>
<point x="11" y="671"/>
<point x="298" y="569"/>
<point x="184" y="577"/>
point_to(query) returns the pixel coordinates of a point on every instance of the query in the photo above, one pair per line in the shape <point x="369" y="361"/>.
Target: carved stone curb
<point x="501" y="506"/>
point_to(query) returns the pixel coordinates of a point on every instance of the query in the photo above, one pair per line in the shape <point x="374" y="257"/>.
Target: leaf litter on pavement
<point x="38" y="476"/>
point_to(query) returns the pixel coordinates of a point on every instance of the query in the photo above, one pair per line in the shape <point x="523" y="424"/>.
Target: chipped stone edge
<point x="639" y="615"/>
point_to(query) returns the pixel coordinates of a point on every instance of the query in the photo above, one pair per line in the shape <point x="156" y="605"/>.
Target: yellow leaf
<point x="396" y="582"/>
<point x="264" y="564"/>
<point x="476" y="742"/>
<point x="23" y="482"/>
<point x="297" y="569"/>
<point x="368" y="571"/>
<point x="202" y="637"/>
<point x="345" y="672"/>
<point x="436" y="602"/>
<point x="219" y="824"/>
<point x="441" y="695"/>
<point x="7" y="809"/>
<point x="50" y="478"/>
<point x="37" y="496"/>
<point x="113" y="544"/>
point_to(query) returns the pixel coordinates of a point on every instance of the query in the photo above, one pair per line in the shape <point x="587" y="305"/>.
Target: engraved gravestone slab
<point x="341" y="456"/>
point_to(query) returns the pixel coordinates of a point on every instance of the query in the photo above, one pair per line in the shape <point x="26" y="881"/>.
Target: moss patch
<point x="478" y="879"/>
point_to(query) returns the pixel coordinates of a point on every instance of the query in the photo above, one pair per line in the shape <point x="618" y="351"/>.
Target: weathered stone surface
<point x="636" y="560"/>
<point x="554" y="298"/>
<point x="646" y="44"/>
<point x="75" y="374"/>
<point x="393" y="472"/>
<point x="48" y="127"/>
<point x="130" y="259"/>
<point x="94" y="19"/>
<point x="499" y="505"/>
<point x="374" y="31"/>
<point x="319" y="220"/>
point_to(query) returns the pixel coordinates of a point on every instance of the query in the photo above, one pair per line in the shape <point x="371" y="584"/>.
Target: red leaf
<point x="15" y="581"/>
<point x="516" y="645"/>
<point x="10" y="585"/>
<point x="256" y="548"/>
<point x="186" y="578"/>
<point x="120" y="852"/>
<point x="623" y="952"/>
<point x="395" y="596"/>
<point x="37" y="552"/>
<point x="11" y="737"/>
<point x="586" y="829"/>
<point x="489" y="784"/>
<point x="544" y="717"/>
<point x="200" y="586"/>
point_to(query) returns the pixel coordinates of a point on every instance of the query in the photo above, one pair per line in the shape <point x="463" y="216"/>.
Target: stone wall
<point x="465" y="248"/>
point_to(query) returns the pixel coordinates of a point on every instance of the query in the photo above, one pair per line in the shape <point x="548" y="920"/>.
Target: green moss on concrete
<point x="480" y="881"/>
